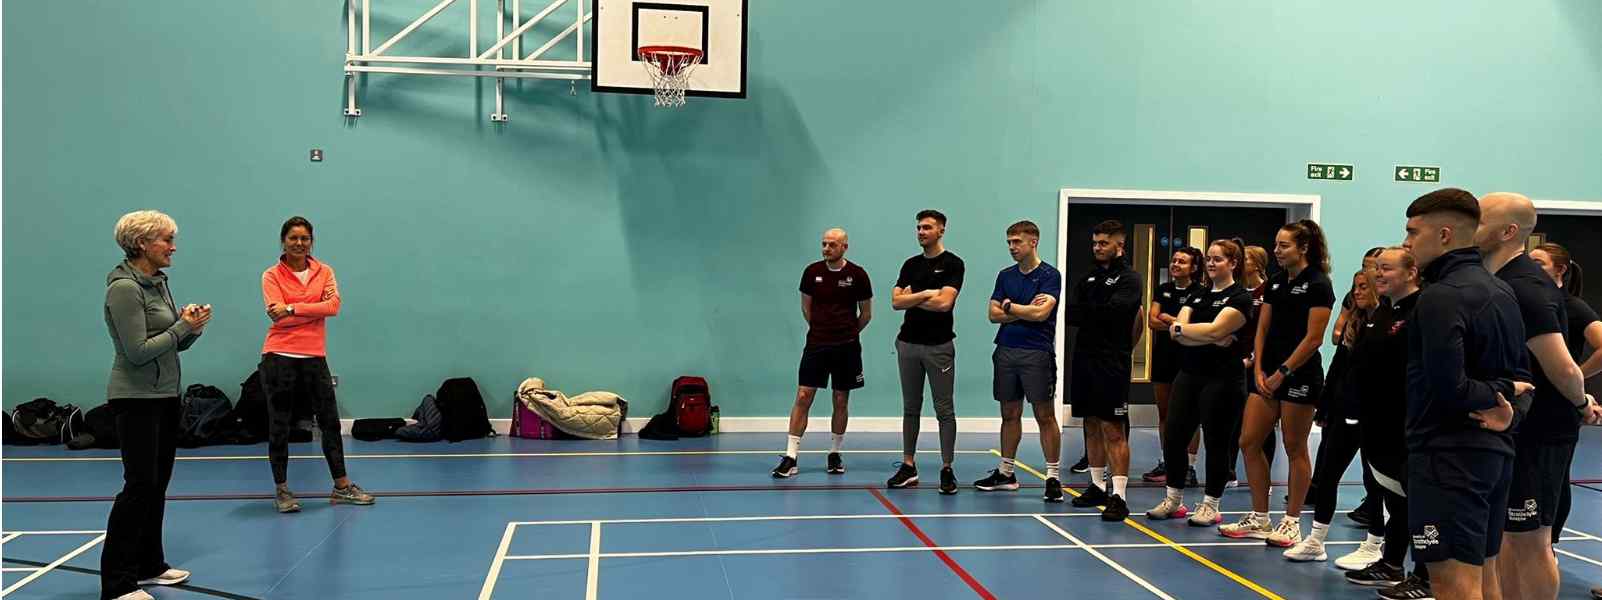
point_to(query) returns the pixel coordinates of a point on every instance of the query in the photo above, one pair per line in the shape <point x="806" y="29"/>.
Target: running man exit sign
<point x="1418" y="174"/>
<point x="1329" y="172"/>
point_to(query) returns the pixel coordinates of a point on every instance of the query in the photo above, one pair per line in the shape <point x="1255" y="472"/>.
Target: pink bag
<point x="528" y="424"/>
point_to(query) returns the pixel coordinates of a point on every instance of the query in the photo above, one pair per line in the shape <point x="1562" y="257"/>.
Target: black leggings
<point x="1336" y="449"/>
<point x="283" y="379"/>
<point x="1214" y="404"/>
<point x="148" y="428"/>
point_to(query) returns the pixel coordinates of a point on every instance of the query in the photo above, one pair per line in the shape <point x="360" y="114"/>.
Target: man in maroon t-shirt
<point x="837" y="303"/>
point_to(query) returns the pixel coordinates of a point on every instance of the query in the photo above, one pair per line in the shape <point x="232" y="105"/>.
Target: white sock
<point x="1120" y="485"/>
<point x="1176" y="494"/>
<point x="1192" y="459"/>
<point x="1319" y="531"/>
<point x="1054" y="470"/>
<point x="836" y="442"/>
<point x="1375" y="540"/>
<point x="1097" y="475"/>
<point x="1210" y="501"/>
<point x="1006" y="466"/>
<point x="793" y="446"/>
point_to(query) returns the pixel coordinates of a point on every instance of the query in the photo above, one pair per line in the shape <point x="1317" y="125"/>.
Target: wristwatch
<point x="1006" y="306"/>
<point x="1177" y="328"/>
<point x="1284" y="370"/>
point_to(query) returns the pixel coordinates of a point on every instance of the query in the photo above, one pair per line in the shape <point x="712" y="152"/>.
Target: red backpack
<point x="690" y="402"/>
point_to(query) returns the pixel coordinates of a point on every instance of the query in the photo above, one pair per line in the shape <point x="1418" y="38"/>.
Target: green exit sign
<point x="1329" y="171"/>
<point x="1418" y="174"/>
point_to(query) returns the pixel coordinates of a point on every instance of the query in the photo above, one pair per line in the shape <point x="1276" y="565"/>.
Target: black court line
<point x="1586" y="486"/>
<point x="541" y="492"/>
<point x="183" y="586"/>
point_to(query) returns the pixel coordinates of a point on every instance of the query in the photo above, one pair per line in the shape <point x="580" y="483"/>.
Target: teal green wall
<point x="604" y="244"/>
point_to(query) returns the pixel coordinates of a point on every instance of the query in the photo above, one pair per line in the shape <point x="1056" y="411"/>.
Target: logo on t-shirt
<point x="1167" y="295"/>
<point x="844" y="282"/>
<point x="1300" y="289"/>
<point x="1112" y="280"/>
<point x="1397" y="327"/>
<point x="1274" y="287"/>
<point x="1220" y="302"/>
<point x="939" y="271"/>
<point x="818" y="279"/>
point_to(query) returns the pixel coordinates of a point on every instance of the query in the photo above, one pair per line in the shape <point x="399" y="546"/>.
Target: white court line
<point x="18" y="569"/>
<point x="1582" y="534"/>
<point x="1578" y="557"/>
<point x="58" y="562"/>
<point x="8" y="537"/>
<point x="482" y="455"/>
<point x="495" y="565"/>
<point x="1103" y="558"/>
<point x="771" y="551"/>
<point x="593" y="578"/>
<point x="826" y="518"/>
<point x="84" y="532"/>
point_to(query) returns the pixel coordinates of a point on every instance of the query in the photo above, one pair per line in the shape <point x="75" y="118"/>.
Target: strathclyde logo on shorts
<point x="1430" y="537"/>
<point x="1299" y="391"/>
<point x="1530" y="511"/>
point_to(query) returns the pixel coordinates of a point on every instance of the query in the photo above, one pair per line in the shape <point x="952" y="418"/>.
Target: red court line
<point x="945" y="558"/>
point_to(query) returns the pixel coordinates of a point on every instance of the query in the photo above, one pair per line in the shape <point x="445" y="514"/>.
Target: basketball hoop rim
<point x="669" y="50"/>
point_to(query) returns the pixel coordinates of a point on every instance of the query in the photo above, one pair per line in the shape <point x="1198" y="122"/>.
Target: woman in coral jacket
<point x="301" y="294"/>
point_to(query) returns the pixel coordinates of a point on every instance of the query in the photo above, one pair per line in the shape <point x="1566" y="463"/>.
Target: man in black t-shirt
<point x="927" y="290"/>
<point x="1545" y="440"/>
<point x="837" y="303"/>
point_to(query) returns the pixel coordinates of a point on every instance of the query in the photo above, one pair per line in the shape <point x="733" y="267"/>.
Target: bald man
<point x="836" y="303"/>
<point x="1546" y="438"/>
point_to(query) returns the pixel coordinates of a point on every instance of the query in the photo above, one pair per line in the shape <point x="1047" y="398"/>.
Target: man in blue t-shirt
<point x="1024" y="303"/>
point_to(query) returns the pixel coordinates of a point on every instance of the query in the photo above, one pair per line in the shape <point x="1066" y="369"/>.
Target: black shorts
<point x="1540" y="472"/>
<point x="1164" y="362"/>
<point x="1302" y="386"/>
<point x="839" y="363"/>
<point x="1456" y="504"/>
<point x="1100" y="386"/>
<point x="1024" y="374"/>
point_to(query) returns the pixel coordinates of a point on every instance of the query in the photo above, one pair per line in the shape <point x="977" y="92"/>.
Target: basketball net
<point x="670" y="68"/>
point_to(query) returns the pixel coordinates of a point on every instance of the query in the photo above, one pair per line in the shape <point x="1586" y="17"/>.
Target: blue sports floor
<point x="505" y="518"/>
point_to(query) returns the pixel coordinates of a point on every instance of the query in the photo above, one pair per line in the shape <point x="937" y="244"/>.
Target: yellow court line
<point x="1177" y="547"/>
<point x="458" y="455"/>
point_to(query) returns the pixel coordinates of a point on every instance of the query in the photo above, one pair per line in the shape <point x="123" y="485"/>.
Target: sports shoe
<point x="836" y="465"/>
<point x="997" y="482"/>
<point x="1249" y="526"/>
<point x="1307" y="550"/>
<point x="1234" y="481"/>
<point x="1190" y="477"/>
<point x="136" y="595"/>
<point x="1366" y="554"/>
<point x="1362" y="515"/>
<point x="1083" y="466"/>
<point x="1596" y="593"/>
<point x="785" y="469"/>
<point x="168" y="577"/>
<point x="1157" y="474"/>
<point x="351" y="494"/>
<point x="1288" y="533"/>
<point x="906" y="476"/>
<point x="948" y="481"/>
<point x="285" y="501"/>
<point x="1053" y="491"/>
<point x="1378" y="574"/>
<point x="1092" y="496"/>
<point x="1206" y="515"/>
<point x="1117" y="510"/>
<point x="1169" y="508"/>
<point x="1412" y="588"/>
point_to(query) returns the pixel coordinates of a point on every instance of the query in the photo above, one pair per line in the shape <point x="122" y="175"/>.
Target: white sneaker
<point x="170" y="577"/>
<point x="1168" y="509"/>
<point x="1206" y="515"/>
<point x="1366" y="554"/>
<point x="1288" y="533"/>
<point x="136" y="595"/>
<point x="1249" y="526"/>
<point x="1308" y="550"/>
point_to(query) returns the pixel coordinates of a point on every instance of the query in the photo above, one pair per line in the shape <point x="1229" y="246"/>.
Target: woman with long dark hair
<point x="1166" y="303"/>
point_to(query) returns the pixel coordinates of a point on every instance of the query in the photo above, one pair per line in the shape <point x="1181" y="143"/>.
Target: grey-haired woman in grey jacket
<point x="148" y="330"/>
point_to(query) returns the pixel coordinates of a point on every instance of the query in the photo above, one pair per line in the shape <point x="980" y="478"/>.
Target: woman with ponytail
<point x="1584" y="327"/>
<point x="1287" y="378"/>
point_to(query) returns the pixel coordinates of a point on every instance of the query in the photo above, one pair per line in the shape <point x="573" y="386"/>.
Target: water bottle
<point x="714" y="419"/>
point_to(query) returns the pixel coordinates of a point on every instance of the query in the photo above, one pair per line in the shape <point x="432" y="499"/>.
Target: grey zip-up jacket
<point x="147" y="333"/>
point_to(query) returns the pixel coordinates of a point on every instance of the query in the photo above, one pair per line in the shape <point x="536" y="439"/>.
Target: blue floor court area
<point x="511" y="518"/>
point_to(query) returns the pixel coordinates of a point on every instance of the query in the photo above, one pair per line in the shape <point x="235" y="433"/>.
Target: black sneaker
<point x="1053" y="490"/>
<point x="786" y="468"/>
<point x="1158" y="474"/>
<point x="836" y="465"/>
<point x="1117" y="509"/>
<point x="997" y="482"/>
<point x="1412" y="588"/>
<point x="1190" y="477"/>
<point x="1378" y="574"/>
<point x="948" y="481"/>
<point x="1083" y="466"/>
<point x="1093" y="496"/>
<point x="906" y="476"/>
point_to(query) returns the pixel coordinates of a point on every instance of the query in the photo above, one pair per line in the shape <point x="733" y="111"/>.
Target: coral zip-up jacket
<point x="305" y="332"/>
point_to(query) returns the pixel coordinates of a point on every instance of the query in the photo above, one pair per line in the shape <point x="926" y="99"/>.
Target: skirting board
<point x="1140" y="416"/>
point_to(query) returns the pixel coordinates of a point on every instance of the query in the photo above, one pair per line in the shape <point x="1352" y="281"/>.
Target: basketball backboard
<point x="715" y="27"/>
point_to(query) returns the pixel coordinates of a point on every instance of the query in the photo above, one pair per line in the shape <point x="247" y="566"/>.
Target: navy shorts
<point x="1457" y="504"/>
<point x="1100" y="386"/>
<point x="1302" y="386"/>
<point x="839" y="363"/>
<point x="1540" y="472"/>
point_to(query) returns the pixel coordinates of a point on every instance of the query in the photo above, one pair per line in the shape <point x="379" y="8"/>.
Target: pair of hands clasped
<point x="1500" y="417"/>
<point x="196" y="315"/>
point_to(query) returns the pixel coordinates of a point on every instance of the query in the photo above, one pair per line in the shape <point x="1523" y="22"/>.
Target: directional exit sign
<point x="1330" y="172"/>
<point x="1418" y="174"/>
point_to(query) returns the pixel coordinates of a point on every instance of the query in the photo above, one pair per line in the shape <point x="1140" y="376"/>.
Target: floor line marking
<point x="1103" y="558"/>
<point x="833" y="517"/>
<point x="495" y="565"/>
<point x="51" y="567"/>
<point x="18" y="569"/>
<point x="593" y="579"/>
<point x="479" y="455"/>
<point x="1220" y="569"/>
<point x="8" y="537"/>
<point x="1582" y="534"/>
<point x="1578" y="557"/>
<point x="84" y="532"/>
<point x="962" y="573"/>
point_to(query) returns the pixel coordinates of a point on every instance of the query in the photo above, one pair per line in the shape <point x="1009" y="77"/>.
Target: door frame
<point x="1578" y="208"/>
<point x="1297" y="206"/>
